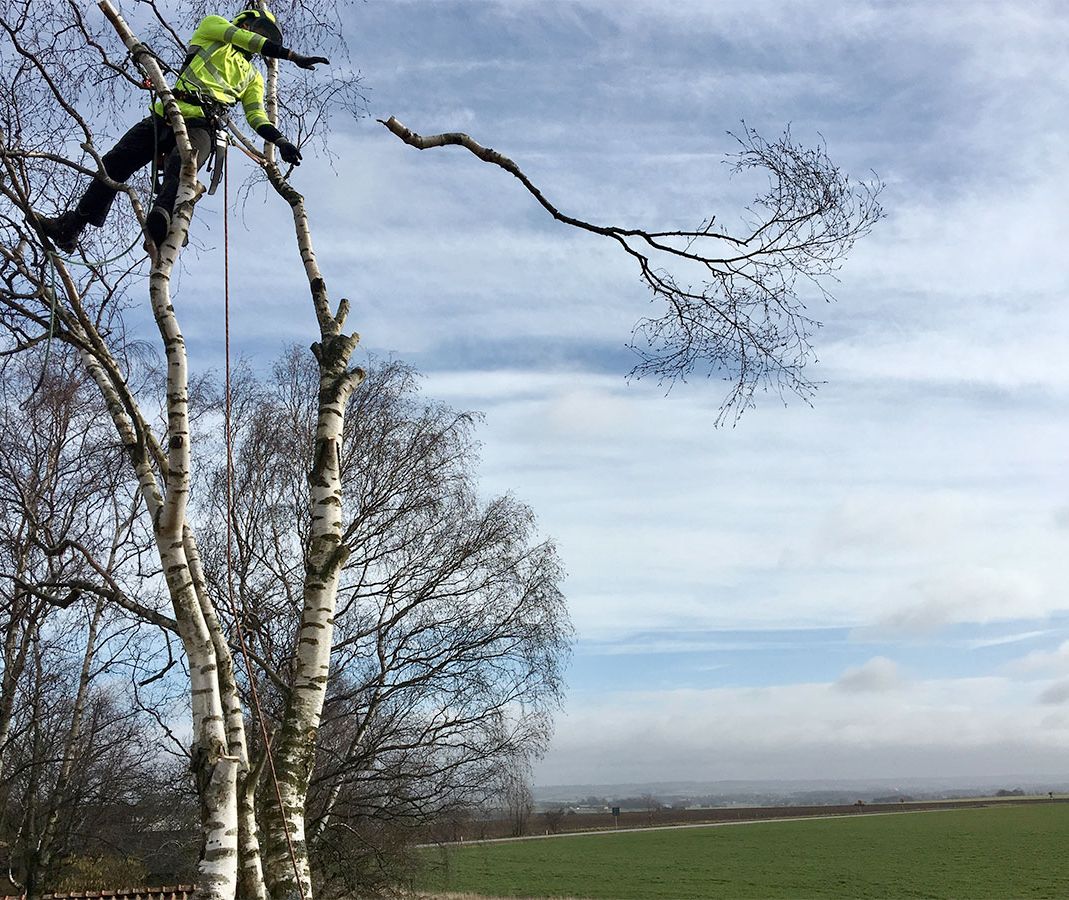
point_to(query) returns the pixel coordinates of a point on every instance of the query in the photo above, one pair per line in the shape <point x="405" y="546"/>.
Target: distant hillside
<point x="793" y="793"/>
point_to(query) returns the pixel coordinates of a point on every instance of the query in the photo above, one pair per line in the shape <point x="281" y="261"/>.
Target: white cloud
<point x="957" y="727"/>
<point x="974" y="595"/>
<point x="1002" y="640"/>
<point x="591" y="412"/>
<point x="876" y="676"/>
<point x="797" y="516"/>
<point x="1042" y="662"/>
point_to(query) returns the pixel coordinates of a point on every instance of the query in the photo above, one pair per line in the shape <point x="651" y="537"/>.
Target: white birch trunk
<point x="286" y="862"/>
<point x="251" y="885"/>
<point x="218" y="869"/>
<point x="213" y="696"/>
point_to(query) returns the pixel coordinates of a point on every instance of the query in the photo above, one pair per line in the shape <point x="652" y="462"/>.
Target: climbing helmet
<point x="263" y="22"/>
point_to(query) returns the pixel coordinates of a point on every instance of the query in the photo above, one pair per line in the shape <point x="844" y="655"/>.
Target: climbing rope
<point x="228" y="433"/>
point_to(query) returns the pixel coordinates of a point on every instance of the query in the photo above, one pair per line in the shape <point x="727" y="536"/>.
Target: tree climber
<point x="216" y="74"/>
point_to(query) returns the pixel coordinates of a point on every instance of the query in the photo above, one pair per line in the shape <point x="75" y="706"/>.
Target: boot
<point x="63" y="230"/>
<point x="157" y="224"/>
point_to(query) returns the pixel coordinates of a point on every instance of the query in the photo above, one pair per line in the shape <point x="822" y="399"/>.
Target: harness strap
<point x="217" y="162"/>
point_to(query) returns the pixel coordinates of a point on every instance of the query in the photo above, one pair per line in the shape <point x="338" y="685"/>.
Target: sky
<point x="874" y="586"/>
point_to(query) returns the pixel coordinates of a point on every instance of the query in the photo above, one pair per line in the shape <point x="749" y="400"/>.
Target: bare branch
<point x="743" y="320"/>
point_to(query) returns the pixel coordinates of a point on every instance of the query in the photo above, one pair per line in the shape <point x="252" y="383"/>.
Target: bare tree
<point x="554" y="819"/>
<point x="652" y="804"/>
<point x="745" y="316"/>
<point x="42" y="291"/>
<point x="517" y="799"/>
<point x="450" y="630"/>
<point x="83" y="759"/>
<point x="69" y="544"/>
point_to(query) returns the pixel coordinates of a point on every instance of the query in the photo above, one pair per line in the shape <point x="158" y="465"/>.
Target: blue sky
<point x="872" y="587"/>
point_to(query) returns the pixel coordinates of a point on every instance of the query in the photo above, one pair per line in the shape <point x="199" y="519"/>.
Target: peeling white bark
<point x="250" y="867"/>
<point x="217" y="870"/>
<point x="219" y="748"/>
<point x="286" y="860"/>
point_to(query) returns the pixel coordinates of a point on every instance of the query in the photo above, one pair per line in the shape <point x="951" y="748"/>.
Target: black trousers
<point x="135" y="150"/>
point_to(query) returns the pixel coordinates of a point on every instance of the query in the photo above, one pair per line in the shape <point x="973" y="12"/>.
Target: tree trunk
<point x="251" y="885"/>
<point x="215" y="768"/>
<point x="287" y="866"/>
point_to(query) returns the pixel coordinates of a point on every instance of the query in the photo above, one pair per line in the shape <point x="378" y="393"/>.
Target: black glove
<point x="307" y="62"/>
<point x="288" y="152"/>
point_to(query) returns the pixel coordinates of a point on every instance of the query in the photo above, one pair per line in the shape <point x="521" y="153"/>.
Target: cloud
<point x="878" y="675"/>
<point x="664" y="642"/>
<point x="959" y="727"/>
<point x="974" y="595"/>
<point x="1042" y="662"/>
<point x="901" y="526"/>
<point x="1004" y="639"/>
<point x="1056" y="694"/>
<point x="590" y="411"/>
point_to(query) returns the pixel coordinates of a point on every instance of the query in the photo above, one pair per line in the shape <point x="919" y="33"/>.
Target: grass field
<point x="998" y="852"/>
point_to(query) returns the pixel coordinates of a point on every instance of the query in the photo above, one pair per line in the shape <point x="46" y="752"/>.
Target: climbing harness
<point x="215" y="118"/>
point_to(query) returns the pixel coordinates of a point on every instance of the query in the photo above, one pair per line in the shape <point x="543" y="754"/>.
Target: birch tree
<point x="81" y="757"/>
<point x="450" y="626"/>
<point x="161" y="461"/>
<point x="745" y="318"/>
<point x="71" y="547"/>
<point x="69" y="744"/>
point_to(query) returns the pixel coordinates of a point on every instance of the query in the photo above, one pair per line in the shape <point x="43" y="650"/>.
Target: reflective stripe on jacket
<point x="216" y="68"/>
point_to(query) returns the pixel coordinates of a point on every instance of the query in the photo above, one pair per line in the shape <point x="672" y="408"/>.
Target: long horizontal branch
<point x="118" y="597"/>
<point x="486" y="154"/>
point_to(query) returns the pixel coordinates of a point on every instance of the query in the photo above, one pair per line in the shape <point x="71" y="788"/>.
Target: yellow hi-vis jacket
<point x="216" y="68"/>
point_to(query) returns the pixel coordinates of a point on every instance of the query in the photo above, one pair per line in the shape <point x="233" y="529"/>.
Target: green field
<point x="996" y="852"/>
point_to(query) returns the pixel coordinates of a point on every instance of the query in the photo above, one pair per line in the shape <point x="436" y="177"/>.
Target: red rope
<point x="229" y="519"/>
